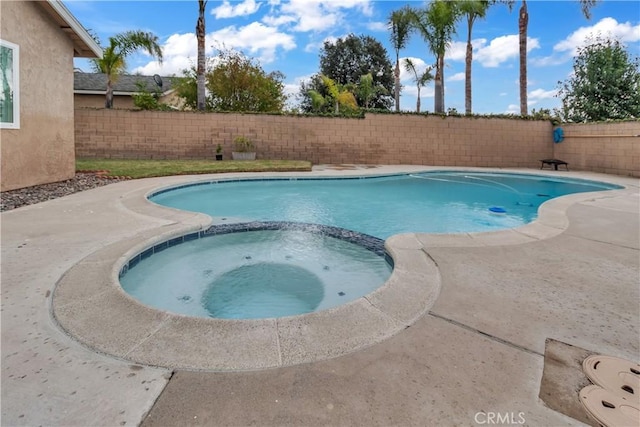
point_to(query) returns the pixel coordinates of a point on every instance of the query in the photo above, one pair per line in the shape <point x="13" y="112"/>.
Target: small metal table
<point x="554" y="163"/>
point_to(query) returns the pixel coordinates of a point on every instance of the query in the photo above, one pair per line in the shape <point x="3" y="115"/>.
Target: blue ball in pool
<point x="497" y="210"/>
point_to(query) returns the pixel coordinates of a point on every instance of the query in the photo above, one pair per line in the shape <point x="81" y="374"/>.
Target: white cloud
<point x="276" y="21"/>
<point x="226" y="10"/>
<point x="293" y="89"/>
<point x="314" y="15"/>
<point x="456" y="77"/>
<point x="533" y="97"/>
<point x="566" y="49"/>
<point x="407" y="77"/>
<point x="411" y="89"/>
<point x="256" y="39"/>
<point x="547" y="61"/>
<point x="541" y="94"/>
<point x="315" y="46"/>
<point x="311" y="16"/>
<point x="180" y="50"/>
<point x="502" y="49"/>
<point x="513" y="109"/>
<point x="457" y="51"/>
<point x="625" y="32"/>
<point x="377" y="26"/>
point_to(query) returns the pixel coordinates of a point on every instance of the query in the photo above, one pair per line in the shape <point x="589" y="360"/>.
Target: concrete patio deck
<point x="573" y="275"/>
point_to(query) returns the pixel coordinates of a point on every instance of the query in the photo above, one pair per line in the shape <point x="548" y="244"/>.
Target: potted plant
<point x="219" y="152"/>
<point x="244" y="149"/>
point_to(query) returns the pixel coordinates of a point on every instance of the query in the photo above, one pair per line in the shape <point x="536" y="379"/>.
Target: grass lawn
<point x="149" y="168"/>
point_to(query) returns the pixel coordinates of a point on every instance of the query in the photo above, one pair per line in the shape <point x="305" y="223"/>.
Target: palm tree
<point x="420" y="79"/>
<point x="317" y="100"/>
<point x="523" y="22"/>
<point x="200" y="34"/>
<point x="400" y="26"/>
<point x="366" y="90"/>
<point x="437" y="24"/>
<point x="586" y="7"/>
<point x="340" y="94"/>
<point x="471" y="9"/>
<point x="120" y="46"/>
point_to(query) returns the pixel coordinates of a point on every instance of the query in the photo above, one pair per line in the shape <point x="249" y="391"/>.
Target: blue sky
<point x="287" y="35"/>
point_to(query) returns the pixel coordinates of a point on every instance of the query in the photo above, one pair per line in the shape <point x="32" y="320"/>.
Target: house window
<point x="9" y="87"/>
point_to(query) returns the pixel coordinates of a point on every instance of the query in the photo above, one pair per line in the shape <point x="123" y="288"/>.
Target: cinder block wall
<point x="601" y="147"/>
<point x="376" y="139"/>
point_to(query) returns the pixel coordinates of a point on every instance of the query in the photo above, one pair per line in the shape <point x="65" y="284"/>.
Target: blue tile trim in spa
<point x="368" y="242"/>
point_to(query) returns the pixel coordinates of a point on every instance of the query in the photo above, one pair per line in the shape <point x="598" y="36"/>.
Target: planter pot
<point x="218" y="156"/>
<point x="243" y="156"/>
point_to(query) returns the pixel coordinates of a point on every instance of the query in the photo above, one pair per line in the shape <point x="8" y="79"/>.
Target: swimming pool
<point x="429" y="202"/>
<point x="249" y="275"/>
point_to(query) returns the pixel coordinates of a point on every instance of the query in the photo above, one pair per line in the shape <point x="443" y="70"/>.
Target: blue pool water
<point x="303" y="268"/>
<point x="256" y="274"/>
<point x="434" y="202"/>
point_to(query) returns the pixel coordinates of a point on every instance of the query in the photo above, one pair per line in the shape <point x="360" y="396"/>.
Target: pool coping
<point x="89" y="304"/>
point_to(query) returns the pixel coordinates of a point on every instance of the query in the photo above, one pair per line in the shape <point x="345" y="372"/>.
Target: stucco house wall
<point x="42" y="149"/>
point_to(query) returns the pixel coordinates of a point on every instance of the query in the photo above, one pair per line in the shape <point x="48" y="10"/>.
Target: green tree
<point x="200" y="34"/>
<point x="113" y="61"/>
<point x="235" y="83"/>
<point x="311" y="92"/>
<point x="437" y="24"/>
<point x="186" y="88"/>
<point x="605" y="84"/>
<point x="238" y="83"/>
<point x="349" y="58"/>
<point x="317" y="101"/>
<point x="471" y="10"/>
<point x="340" y="94"/>
<point x="420" y="79"/>
<point x="366" y="90"/>
<point x="400" y="27"/>
<point x="523" y="23"/>
<point x="148" y="100"/>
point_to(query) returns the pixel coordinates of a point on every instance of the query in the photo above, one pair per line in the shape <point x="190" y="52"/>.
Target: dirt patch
<point x="563" y="378"/>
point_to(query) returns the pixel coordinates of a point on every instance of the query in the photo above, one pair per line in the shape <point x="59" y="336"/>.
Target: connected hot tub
<point x="257" y="270"/>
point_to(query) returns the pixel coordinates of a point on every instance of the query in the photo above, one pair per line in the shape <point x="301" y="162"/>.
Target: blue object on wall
<point x="558" y="135"/>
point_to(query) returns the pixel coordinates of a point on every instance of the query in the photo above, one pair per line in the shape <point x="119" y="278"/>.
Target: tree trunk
<point x="418" y="101"/>
<point x="438" y="102"/>
<point x="523" y="22"/>
<point x="200" y="33"/>
<point x="467" y="75"/>
<point x="397" y="83"/>
<point x="108" y="103"/>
